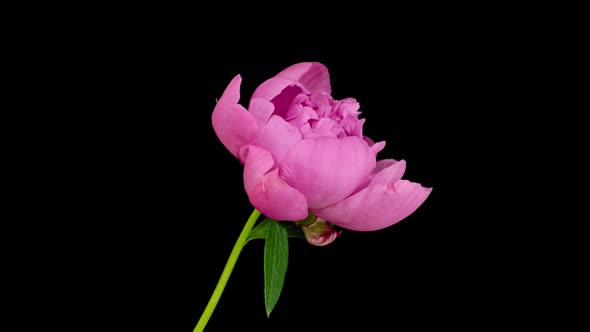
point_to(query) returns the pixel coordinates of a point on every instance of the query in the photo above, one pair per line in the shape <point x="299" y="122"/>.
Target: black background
<point x="121" y="206"/>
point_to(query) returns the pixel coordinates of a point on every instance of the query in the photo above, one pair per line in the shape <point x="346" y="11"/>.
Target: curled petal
<point x="270" y="194"/>
<point x="300" y="99"/>
<point x="273" y="87"/>
<point x="376" y="207"/>
<point x="313" y="76"/>
<point x="232" y="123"/>
<point x="326" y="169"/>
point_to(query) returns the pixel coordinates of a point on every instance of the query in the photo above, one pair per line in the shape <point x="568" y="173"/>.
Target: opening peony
<point x="308" y="167"/>
<point x="305" y="152"/>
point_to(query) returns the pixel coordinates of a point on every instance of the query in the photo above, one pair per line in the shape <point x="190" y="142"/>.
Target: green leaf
<point x="292" y="229"/>
<point x="276" y="258"/>
<point x="261" y="230"/>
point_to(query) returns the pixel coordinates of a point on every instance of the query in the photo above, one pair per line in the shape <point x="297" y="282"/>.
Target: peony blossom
<point x="305" y="152"/>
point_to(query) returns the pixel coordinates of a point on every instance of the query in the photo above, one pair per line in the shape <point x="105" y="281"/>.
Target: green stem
<point x="227" y="270"/>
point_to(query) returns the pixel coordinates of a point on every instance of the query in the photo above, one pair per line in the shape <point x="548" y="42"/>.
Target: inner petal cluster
<point x="319" y="115"/>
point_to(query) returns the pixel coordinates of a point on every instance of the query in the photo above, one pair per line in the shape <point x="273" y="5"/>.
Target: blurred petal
<point x="232" y="123"/>
<point x="278" y="136"/>
<point x="270" y="194"/>
<point x="376" y="207"/>
<point x="326" y="169"/>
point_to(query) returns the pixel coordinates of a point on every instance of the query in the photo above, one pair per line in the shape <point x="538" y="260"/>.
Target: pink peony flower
<point x="304" y="152"/>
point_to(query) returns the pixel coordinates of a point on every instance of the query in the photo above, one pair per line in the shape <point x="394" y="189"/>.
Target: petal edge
<point x="377" y="206"/>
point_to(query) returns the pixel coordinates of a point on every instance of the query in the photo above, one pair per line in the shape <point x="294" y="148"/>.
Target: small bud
<point x="320" y="232"/>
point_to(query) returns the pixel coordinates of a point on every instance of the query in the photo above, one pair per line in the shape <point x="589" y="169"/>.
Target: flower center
<point x="319" y="115"/>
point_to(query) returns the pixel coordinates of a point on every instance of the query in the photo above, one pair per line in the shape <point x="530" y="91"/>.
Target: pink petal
<point x="376" y="207"/>
<point x="231" y="95"/>
<point x="369" y="141"/>
<point x="325" y="127"/>
<point x="305" y="130"/>
<point x="261" y="110"/>
<point x="273" y="87"/>
<point x="390" y="174"/>
<point x="323" y="104"/>
<point x="313" y="76"/>
<point x="346" y="107"/>
<point x="293" y="112"/>
<point x="232" y="123"/>
<point x="270" y="194"/>
<point x="353" y="126"/>
<point x="283" y="102"/>
<point x="300" y="99"/>
<point x="383" y="164"/>
<point x="377" y="147"/>
<point x="326" y="169"/>
<point x="278" y="136"/>
<point x="304" y="114"/>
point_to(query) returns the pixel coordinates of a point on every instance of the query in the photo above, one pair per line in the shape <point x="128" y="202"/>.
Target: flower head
<point x="303" y="151"/>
